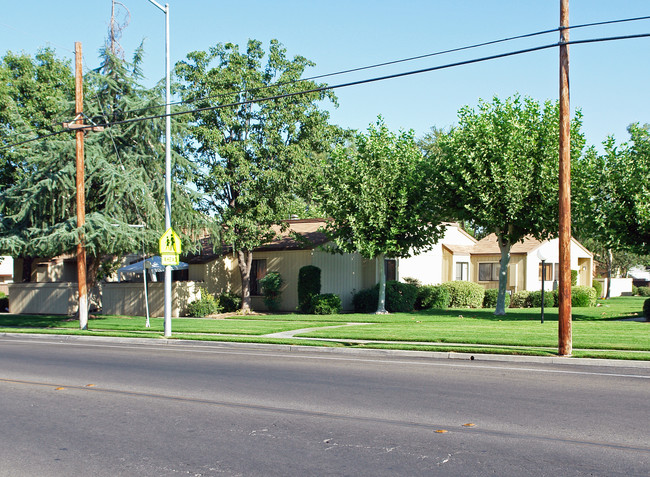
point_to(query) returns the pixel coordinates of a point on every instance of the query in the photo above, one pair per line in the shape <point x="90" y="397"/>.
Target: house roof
<point x="459" y="249"/>
<point x="302" y="234"/>
<point x="490" y="246"/>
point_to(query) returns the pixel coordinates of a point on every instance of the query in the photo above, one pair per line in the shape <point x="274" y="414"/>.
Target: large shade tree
<point x="254" y="153"/>
<point x="124" y="168"/>
<point x="499" y="167"/>
<point x="376" y="193"/>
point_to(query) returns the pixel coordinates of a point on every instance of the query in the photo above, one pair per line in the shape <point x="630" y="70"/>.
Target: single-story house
<point x="342" y="274"/>
<point x="459" y="256"/>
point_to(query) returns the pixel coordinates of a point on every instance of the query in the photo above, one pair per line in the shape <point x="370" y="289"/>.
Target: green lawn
<point x="603" y="331"/>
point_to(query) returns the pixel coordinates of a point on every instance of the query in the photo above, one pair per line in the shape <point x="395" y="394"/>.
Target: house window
<point x="548" y="272"/>
<point x="488" y="272"/>
<point x="258" y="271"/>
<point x="390" y="268"/>
<point x="462" y="271"/>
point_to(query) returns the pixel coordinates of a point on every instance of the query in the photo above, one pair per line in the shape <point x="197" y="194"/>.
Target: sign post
<point x="170" y="249"/>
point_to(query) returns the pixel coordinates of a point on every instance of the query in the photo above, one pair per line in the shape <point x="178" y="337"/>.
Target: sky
<point x="608" y="79"/>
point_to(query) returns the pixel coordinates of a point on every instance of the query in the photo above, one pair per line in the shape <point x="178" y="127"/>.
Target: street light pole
<point x="168" y="170"/>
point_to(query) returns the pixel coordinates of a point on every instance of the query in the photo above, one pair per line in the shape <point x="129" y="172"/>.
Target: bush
<point x="635" y="290"/>
<point x="520" y="299"/>
<point x="574" y="277"/>
<point x="535" y="299"/>
<point x="229" y="302"/>
<point x="583" y="296"/>
<point x="490" y="299"/>
<point x="646" y="309"/>
<point x="204" y="306"/>
<point x="308" y="287"/>
<point x="400" y="297"/>
<point x="465" y="294"/>
<point x="366" y="301"/>
<point x="599" y="289"/>
<point x="432" y="296"/>
<point x="644" y="291"/>
<point x="412" y="281"/>
<point x="271" y="284"/>
<point x="4" y="302"/>
<point x="326" y="304"/>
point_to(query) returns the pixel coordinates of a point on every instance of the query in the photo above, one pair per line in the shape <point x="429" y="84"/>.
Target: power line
<point x="360" y="82"/>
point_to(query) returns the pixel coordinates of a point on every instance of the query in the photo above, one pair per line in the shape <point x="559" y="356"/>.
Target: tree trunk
<point x="610" y="260"/>
<point x="504" y="246"/>
<point x="381" y="305"/>
<point x="245" y="264"/>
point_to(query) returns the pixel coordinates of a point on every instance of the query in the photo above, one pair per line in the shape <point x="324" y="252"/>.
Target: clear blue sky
<point x="608" y="80"/>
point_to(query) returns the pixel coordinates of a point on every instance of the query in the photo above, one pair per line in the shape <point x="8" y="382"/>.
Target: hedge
<point x="491" y="296"/>
<point x="432" y="296"/>
<point x="400" y="297"/>
<point x="519" y="299"/>
<point x="465" y="294"/>
<point x="583" y="296"/>
<point x="326" y="304"/>
<point x="599" y="288"/>
<point x="204" y="306"/>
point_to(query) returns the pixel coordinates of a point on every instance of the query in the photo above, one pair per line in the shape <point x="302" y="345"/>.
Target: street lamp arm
<point x="164" y="9"/>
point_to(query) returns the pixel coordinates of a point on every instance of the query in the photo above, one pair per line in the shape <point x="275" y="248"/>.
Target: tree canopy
<point x="254" y="153"/>
<point x="376" y="193"/>
<point x="500" y="170"/>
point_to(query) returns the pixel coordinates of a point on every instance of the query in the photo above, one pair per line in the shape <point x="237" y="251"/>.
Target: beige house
<point x="341" y="274"/>
<point x="459" y="256"/>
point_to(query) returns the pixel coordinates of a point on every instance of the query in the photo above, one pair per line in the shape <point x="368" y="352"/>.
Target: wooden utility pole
<point x="564" y="321"/>
<point x="80" y="128"/>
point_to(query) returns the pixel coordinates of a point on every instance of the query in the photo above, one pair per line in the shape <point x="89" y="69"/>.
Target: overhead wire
<point x="359" y="82"/>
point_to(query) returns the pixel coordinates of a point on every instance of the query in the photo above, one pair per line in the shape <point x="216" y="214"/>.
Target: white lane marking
<point x="193" y="349"/>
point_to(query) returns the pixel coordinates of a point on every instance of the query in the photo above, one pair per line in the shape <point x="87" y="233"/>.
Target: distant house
<point x="460" y="257"/>
<point x="6" y="269"/>
<point x="298" y="246"/>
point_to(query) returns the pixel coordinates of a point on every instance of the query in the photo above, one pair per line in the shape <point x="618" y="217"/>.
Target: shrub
<point x="574" y="277"/>
<point x="465" y="294"/>
<point x="365" y="301"/>
<point x="635" y="290"/>
<point x="229" y="302"/>
<point x="400" y="297"/>
<point x="644" y="291"/>
<point x="412" y="281"/>
<point x="4" y="302"/>
<point x="490" y="299"/>
<point x="204" y="306"/>
<point x="599" y="289"/>
<point x="535" y="299"/>
<point x="271" y="284"/>
<point x="432" y="296"/>
<point x="326" y="304"/>
<point x="308" y="287"/>
<point x="583" y="296"/>
<point x="519" y="299"/>
<point x="646" y="309"/>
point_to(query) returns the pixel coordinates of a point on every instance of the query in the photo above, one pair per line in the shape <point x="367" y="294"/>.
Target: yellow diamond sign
<point x="170" y="247"/>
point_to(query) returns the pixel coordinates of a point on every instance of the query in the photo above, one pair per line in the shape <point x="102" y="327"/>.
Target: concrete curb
<point x="556" y="360"/>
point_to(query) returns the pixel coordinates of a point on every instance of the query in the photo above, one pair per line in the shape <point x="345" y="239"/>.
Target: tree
<point x="500" y="171"/>
<point x="374" y="191"/>
<point x="124" y="175"/>
<point x="253" y="155"/>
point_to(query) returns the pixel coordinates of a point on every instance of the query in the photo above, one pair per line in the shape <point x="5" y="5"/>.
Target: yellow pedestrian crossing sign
<point x="170" y="247"/>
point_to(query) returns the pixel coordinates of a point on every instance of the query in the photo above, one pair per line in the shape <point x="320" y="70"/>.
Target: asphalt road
<point x="111" y="409"/>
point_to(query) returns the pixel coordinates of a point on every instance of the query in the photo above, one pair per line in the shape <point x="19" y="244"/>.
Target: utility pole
<point x="564" y="321"/>
<point x="80" y="127"/>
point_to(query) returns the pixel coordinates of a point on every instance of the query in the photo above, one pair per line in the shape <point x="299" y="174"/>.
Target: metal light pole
<point x="168" y="171"/>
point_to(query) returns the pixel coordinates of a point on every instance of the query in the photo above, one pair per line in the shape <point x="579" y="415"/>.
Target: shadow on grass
<point x="40" y="321"/>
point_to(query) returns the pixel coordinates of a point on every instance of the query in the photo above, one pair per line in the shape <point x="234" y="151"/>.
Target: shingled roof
<point x="302" y="234"/>
<point x="490" y="246"/>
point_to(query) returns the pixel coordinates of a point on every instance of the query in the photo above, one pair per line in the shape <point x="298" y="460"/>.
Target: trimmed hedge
<point x="271" y="284"/>
<point x="309" y="285"/>
<point x="583" y="296"/>
<point x="599" y="288"/>
<point x="646" y="309"/>
<point x="400" y="297"/>
<point x="326" y="304"/>
<point x="535" y="299"/>
<point x="635" y="290"/>
<point x="491" y="296"/>
<point x="432" y="297"/>
<point x="644" y="291"/>
<point x="520" y="299"/>
<point x="465" y="294"/>
<point x="574" y="277"/>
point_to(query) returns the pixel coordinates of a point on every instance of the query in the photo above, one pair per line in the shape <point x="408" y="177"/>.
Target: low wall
<point x="620" y="286"/>
<point x="128" y="298"/>
<point x="43" y="298"/>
